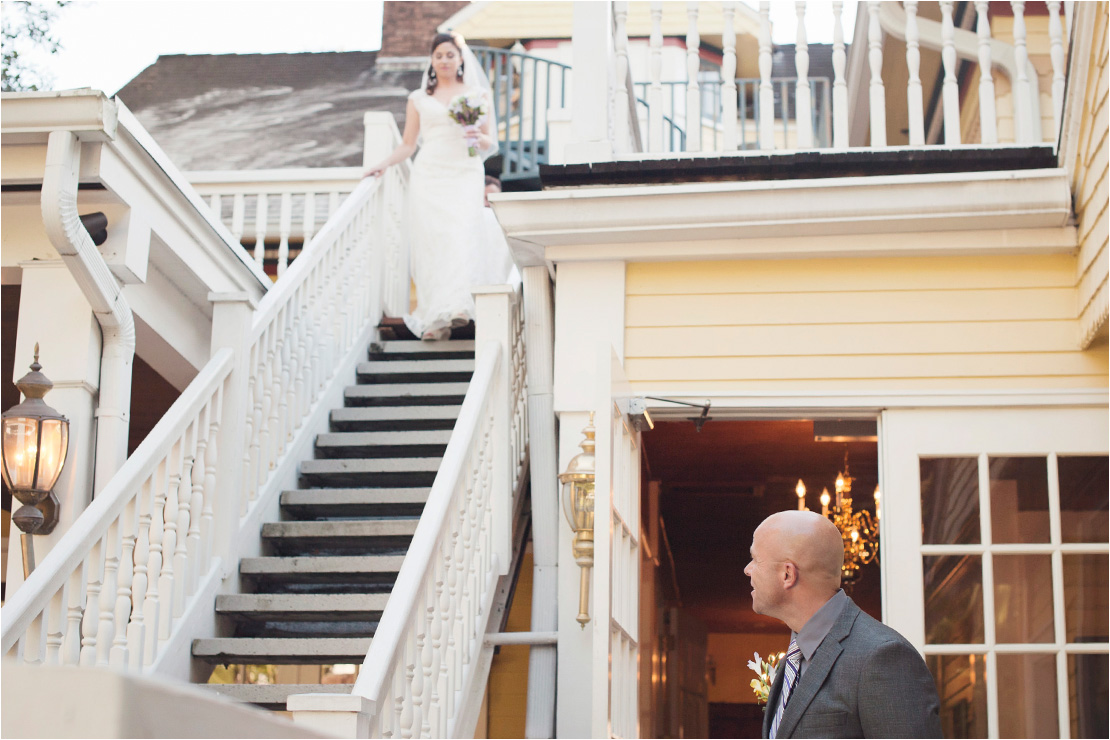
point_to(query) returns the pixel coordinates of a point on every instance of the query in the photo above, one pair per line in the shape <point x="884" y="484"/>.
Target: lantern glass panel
<point x="20" y="452"/>
<point x="55" y="443"/>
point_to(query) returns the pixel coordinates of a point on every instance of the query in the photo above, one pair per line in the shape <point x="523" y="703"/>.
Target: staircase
<point x="316" y="597"/>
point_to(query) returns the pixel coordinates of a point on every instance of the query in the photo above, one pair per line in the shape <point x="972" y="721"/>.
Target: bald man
<point x="845" y="674"/>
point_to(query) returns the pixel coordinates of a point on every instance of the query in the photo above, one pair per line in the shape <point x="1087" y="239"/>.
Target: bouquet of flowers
<point x="467" y="110"/>
<point x="765" y="669"/>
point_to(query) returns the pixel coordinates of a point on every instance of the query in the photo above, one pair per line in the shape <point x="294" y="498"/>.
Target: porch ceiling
<point x="720" y="483"/>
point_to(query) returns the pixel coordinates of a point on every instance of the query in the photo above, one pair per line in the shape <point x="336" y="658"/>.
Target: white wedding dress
<point x="446" y="234"/>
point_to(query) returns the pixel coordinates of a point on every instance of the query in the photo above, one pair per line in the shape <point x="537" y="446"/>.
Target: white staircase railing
<point x="155" y="545"/>
<point x="423" y="663"/>
<point x="110" y="590"/>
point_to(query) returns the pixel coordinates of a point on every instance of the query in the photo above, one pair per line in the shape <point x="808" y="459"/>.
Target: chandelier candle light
<point x="858" y="529"/>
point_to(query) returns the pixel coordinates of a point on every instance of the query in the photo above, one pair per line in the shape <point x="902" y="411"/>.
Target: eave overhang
<point x="1015" y="211"/>
<point x="28" y="119"/>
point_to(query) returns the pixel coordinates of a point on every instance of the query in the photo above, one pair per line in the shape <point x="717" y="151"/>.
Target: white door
<point x="616" y="559"/>
<point x="995" y="559"/>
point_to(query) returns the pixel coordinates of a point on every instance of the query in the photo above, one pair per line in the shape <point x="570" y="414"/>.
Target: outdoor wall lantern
<point x="578" y="506"/>
<point x="36" y="440"/>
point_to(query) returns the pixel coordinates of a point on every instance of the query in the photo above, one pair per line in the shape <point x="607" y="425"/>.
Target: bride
<point x="446" y="189"/>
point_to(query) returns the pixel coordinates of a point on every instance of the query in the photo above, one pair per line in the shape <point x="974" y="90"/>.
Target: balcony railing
<point x="525" y="87"/>
<point x="851" y="109"/>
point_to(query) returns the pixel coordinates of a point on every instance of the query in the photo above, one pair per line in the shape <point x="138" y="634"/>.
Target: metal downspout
<point x="99" y="286"/>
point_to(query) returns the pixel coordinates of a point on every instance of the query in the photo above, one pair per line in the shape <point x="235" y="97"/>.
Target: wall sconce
<point x="36" y="440"/>
<point x="578" y="506"/>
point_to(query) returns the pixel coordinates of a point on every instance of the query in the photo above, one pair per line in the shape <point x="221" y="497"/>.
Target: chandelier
<point x="858" y="529"/>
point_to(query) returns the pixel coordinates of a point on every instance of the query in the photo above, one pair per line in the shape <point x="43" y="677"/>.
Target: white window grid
<point x="986" y="549"/>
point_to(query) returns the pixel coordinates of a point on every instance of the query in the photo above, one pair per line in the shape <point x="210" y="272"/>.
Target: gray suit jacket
<point x="864" y="680"/>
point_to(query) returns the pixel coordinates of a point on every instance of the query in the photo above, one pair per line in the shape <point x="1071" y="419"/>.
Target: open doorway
<point x="705" y="492"/>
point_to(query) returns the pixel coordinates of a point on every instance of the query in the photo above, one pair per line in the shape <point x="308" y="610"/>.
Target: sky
<point x="106" y="43"/>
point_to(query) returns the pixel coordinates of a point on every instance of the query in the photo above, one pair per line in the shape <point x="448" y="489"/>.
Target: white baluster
<point x="1023" y="107"/>
<point x="875" y="60"/>
<point x="333" y="202"/>
<point x="951" y="91"/>
<point x="106" y="628"/>
<point x="167" y="574"/>
<point x="151" y="609"/>
<point x="766" y="91"/>
<point x="802" y="95"/>
<point x="136" y="635"/>
<point x="261" y="220"/>
<point x="988" y="118"/>
<point x="184" y="515"/>
<point x="693" y="87"/>
<point x="915" y="106"/>
<point x="55" y="627"/>
<point x="655" y="90"/>
<point x="728" y="78"/>
<point x="620" y="89"/>
<point x="1056" y="52"/>
<point x="216" y="206"/>
<point x="75" y="608"/>
<point x="285" y="227"/>
<point x="125" y="581"/>
<point x="195" y="555"/>
<point x="90" y="620"/>
<point x="309" y="218"/>
<point x="238" y="216"/>
<point x="840" y="86"/>
<point x="211" y="459"/>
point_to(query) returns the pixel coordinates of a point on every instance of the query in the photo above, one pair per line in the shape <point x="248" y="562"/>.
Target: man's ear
<point x="789" y="574"/>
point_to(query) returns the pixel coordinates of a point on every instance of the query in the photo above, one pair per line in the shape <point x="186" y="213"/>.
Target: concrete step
<point x="377" y="536"/>
<point x="405" y="394"/>
<point x="416" y="350"/>
<point x="393" y="418"/>
<point x="315" y="503"/>
<point x="409" y="472"/>
<point x="382" y="444"/>
<point x="272" y="696"/>
<point x="316" y="574"/>
<point x="281" y="650"/>
<point x="415" y="371"/>
<point x="301" y="607"/>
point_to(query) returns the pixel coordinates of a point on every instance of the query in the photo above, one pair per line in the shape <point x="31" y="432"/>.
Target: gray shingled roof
<point x="258" y="111"/>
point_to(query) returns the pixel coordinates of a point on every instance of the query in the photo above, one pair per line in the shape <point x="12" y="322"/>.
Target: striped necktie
<point x="791" y="666"/>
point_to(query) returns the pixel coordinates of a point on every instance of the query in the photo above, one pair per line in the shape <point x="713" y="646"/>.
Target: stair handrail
<point x="440" y="607"/>
<point x="137" y="553"/>
<point x="157" y="540"/>
<point x="448" y="572"/>
<point x="308" y="321"/>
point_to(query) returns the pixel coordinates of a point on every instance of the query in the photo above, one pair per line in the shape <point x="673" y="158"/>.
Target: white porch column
<point x="53" y="312"/>
<point x="592" y="51"/>
<point x="589" y="311"/>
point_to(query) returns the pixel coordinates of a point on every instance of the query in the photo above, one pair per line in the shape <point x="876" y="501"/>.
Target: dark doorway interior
<point x="717" y="485"/>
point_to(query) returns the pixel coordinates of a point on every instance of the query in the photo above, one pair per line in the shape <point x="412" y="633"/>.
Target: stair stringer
<point x="200" y="620"/>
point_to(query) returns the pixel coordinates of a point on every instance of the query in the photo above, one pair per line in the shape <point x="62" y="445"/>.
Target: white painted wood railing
<point x="857" y="77"/>
<point x="423" y="662"/>
<point x="160" y="537"/>
<point x="110" y="590"/>
<point x="274" y="213"/>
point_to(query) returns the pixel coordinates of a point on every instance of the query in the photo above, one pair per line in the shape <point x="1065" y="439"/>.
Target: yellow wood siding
<point x="855" y="324"/>
<point x="1089" y="185"/>
<point x="507" y="692"/>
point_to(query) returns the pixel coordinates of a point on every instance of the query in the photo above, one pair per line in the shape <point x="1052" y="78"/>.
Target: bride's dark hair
<point x="442" y="38"/>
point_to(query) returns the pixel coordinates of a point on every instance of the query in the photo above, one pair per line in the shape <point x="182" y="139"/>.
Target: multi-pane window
<point x="1014" y="556"/>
